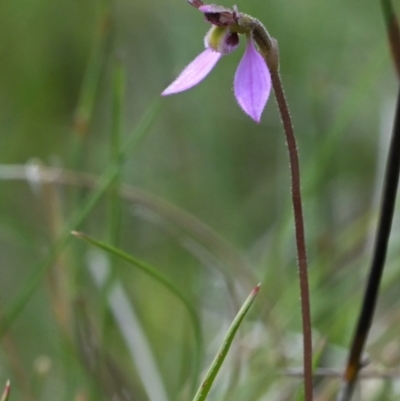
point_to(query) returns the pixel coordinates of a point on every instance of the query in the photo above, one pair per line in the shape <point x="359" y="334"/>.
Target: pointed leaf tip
<point x="252" y="84"/>
<point x="6" y="392"/>
<point x="195" y="72"/>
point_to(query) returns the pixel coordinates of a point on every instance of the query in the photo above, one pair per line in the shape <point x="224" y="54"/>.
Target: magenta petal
<point x="194" y="72"/>
<point x="252" y="84"/>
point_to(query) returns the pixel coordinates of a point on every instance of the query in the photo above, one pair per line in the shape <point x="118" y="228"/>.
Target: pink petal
<point x="252" y="84"/>
<point x="194" y="72"/>
<point x="212" y="8"/>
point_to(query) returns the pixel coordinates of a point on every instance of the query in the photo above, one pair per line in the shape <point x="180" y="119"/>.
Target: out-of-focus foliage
<point x="204" y="157"/>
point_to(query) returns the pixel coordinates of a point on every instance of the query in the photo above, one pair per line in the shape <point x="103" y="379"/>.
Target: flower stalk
<point x="300" y="234"/>
<point x="257" y="72"/>
<point x="269" y="47"/>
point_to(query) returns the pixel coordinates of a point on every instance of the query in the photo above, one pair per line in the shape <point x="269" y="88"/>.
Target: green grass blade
<point x="116" y="135"/>
<point x="90" y="84"/>
<point x="6" y="392"/>
<point x="162" y="280"/>
<point x="33" y="281"/>
<point x="207" y="383"/>
<point x="131" y="329"/>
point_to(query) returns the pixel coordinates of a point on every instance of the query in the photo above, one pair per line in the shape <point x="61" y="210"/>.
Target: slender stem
<point x="393" y="32"/>
<point x="299" y="228"/>
<point x="385" y="222"/>
<point x="268" y="48"/>
<point x="378" y="261"/>
<point x="116" y="138"/>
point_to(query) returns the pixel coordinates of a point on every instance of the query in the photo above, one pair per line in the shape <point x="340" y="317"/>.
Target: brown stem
<point x="393" y="32"/>
<point x="268" y="47"/>
<point x="387" y="208"/>
<point x="299" y="228"/>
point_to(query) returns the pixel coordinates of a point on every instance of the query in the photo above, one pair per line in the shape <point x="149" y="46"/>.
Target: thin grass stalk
<point x="131" y="329"/>
<point x="58" y="277"/>
<point x="87" y="97"/>
<point x="191" y="225"/>
<point x="389" y="193"/>
<point x="388" y="202"/>
<point x="40" y="268"/>
<point x="152" y="272"/>
<point x="116" y="139"/>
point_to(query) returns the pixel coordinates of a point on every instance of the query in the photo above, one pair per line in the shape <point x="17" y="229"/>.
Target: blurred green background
<point x="215" y="217"/>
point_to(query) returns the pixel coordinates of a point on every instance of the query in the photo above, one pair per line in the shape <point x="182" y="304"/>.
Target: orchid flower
<point x="252" y="83"/>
